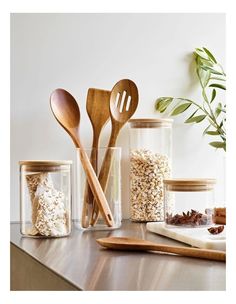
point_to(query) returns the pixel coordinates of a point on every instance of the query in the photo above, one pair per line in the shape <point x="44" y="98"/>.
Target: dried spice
<point x="216" y="230"/>
<point x="219" y="216"/>
<point x="191" y="218"/>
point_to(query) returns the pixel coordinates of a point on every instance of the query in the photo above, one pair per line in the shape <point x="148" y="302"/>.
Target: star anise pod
<point x="189" y="218"/>
<point x="216" y="230"/>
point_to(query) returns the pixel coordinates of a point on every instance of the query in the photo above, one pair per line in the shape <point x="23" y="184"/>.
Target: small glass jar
<point x="189" y="202"/>
<point x="150" y="163"/>
<point x="86" y="205"/>
<point x="45" y="198"/>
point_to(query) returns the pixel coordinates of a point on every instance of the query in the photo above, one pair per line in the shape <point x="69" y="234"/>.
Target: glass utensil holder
<point x="112" y="188"/>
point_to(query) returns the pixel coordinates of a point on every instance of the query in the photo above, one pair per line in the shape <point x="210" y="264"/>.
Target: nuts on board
<point x="216" y="230"/>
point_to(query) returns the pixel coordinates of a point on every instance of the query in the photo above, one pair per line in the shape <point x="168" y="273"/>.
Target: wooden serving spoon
<point x="126" y="243"/>
<point x="97" y="106"/>
<point x="67" y="113"/>
<point x="123" y="104"/>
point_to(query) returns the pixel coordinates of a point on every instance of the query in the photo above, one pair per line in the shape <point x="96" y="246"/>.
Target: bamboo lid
<point x="190" y="184"/>
<point x="150" y="122"/>
<point x="44" y="165"/>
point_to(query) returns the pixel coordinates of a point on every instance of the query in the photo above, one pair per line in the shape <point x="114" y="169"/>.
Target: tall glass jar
<point x="150" y="163"/>
<point x="45" y="198"/>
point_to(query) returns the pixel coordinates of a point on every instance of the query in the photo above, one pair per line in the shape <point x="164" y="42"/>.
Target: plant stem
<point x="211" y="114"/>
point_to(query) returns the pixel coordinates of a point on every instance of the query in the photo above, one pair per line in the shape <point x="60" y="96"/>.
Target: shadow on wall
<point x="193" y="83"/>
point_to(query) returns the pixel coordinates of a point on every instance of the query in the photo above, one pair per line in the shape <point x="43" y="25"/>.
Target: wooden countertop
<point x="84" y="265"/>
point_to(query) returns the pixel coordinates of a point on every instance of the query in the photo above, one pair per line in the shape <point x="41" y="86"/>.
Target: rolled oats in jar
<point x="150" y="164"/>
<point x="45" y="198"/>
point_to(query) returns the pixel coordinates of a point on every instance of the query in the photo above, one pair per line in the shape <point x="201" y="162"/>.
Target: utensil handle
<point x="105" y="168"/>
<point x="96" y="189"/>
<point x="189" y="252"/>
<point x="88" y="203"/>
<point x="103" y="179"/>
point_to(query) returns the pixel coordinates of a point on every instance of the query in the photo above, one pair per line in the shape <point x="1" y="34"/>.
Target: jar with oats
<point x="150" y="164"/>
<point x="45" y="198"/>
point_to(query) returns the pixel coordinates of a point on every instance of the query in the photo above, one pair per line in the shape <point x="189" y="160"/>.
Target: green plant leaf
<point x="210" y="55"/>
<point x="185" y="99"/>
<point x="218" y="109"/>
<point x="213" y="71"/>
<point x="217" y="85"/>
<point x="218" y="144"/>
<point x="200" y="118"/>
<point x="223" y="110"/>
<point x="205" y="78"/>
<point x="204" y="62"/>
<point x="201" y="53"/>
<point x="195" y="119"/>
<point x="212" y="133"/>
<point x="204" y="95"/>
<point x="191" y="115"/>
<point x="162" y="103"/>
<point x="207" y="128"/>
<point x="180" y="109"/>
<point x="213" y="94"/>
<point x="218" y="78"/>
<point x="199" y="75"/>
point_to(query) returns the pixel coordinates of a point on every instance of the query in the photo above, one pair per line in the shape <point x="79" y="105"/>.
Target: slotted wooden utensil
<point x="97" y="106"/>
<point x="67" y="113"/>
<point x="126" y="243"/>
<point x="123" y="103"/>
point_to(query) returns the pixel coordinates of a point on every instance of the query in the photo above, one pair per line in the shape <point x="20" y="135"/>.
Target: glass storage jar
<point x="45" y="198"/>
<point x="150" y="163"/>
<point x="189" y="202"/>
<point x="88" y="216"/>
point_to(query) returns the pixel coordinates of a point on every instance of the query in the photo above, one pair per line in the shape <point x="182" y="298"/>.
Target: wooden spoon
<point x="125" y="243"/>
<point x="123" y="103"/>
<point x="67" y="113"/>
<point x="98" y="111"/>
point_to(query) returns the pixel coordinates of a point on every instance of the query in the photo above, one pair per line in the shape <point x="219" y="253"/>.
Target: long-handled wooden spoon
<point x="67" y="113"/>
<point x="97" y="106"/>
<point x="126" y="243"/>
<point x="123" y="103"/>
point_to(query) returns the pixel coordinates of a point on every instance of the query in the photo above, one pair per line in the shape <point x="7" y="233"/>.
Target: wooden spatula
<point x="97" y="106"/>
<point x="123" y="104"/>
<point x="126" y="243"/>
<point x="67" y="113"/>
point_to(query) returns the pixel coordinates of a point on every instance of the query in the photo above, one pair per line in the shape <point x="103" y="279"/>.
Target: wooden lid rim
<point x="190" y="181"/>
<point x="45" y="162"/>
<point x="150" y="120"/>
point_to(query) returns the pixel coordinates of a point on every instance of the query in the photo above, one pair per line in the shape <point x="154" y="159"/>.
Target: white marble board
<point x="197" y="237"/>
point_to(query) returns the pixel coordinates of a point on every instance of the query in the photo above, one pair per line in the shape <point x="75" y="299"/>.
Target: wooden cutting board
<point x="197" y="237"/>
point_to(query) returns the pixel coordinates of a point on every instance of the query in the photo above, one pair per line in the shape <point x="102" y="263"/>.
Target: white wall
<point x="78" y="51"/>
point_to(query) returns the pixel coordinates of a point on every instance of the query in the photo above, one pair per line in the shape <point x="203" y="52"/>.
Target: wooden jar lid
<point x="150" y="122"/>
<point x="44" y="165"/>
<point x="189" y="184"/>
